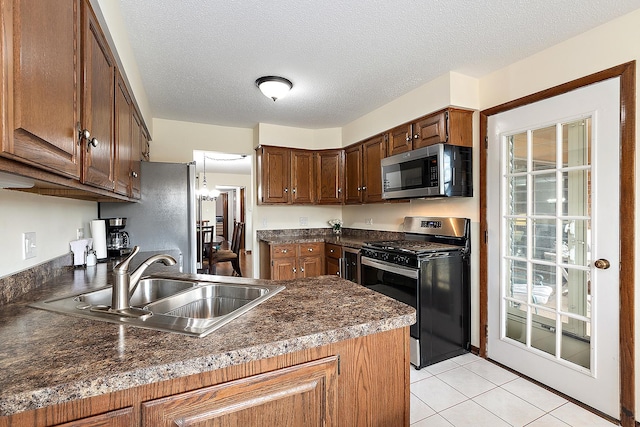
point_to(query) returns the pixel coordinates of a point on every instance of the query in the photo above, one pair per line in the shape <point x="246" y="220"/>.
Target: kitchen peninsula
<point x="322" y="350"/>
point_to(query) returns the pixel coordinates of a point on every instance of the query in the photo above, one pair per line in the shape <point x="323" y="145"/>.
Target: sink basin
<point x="194" y="308"/>
<point x="147" y="291"/>
<point x="207" y="301"/>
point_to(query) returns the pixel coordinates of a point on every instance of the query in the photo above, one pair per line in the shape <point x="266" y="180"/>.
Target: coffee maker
<point x="117" y="238"/>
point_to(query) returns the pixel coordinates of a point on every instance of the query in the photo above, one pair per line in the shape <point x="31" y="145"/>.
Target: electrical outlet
<point x="304" y="221"/>
<point x="80" y="233"/>
<point x="29" y="245"/>
<point x="368" y="221"/>
<point x="264" y="222"/>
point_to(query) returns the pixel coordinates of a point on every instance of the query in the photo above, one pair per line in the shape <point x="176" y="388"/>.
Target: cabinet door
<point x="97" y="109"/>
<point x="275" y="174"/>
<point x="140" y="142"/>
<point x="353" y="175"/>
<point x="430" y="130"/>
<point x="310" y="266"/>
<point x="283" y="268"/>
<point x="329" y="176"/>
<point x="40" y="95"/>
<point x="124" y="138"/>
<point x="374" y="150"/>
<point x="302" y="188"/>
<point x="120" y="418"/>
<point x="399" y="140"/>
<point x="333" y="266"/>
<point x="298" y="396"/>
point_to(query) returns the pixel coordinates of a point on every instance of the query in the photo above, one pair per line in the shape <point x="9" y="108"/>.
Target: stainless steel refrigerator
<point x="165" y="216"/>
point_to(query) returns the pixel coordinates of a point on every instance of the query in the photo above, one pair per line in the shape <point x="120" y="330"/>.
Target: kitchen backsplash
<point x="346" y="232"/>
<point x="20" y="283"/>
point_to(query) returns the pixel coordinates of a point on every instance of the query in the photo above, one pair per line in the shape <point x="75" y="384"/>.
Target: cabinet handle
<point x="408" y="137"/>
<point x="364" y="188"/>
<point x="83" y="134"/>
<point x="293" y="191"/>
<point x="284" y="251"/>
<point x="302" y="270"/>
<point x="93" y="142"/>
<point x="286" y="190"/>
<point x="416" y="136"/>
<point x="331" y="250"/>
<point x="294" y="270"/>
<point x="134" y="174"/>
<point x="359" y="188"/>
<point x="310" y="249"/>
<point x="338" y="273"/>
<point x="339" y="190"/>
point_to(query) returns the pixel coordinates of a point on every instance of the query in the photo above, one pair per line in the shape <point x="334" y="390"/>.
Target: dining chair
<point x="205" y="237"/>
<point x="232" y="255"/>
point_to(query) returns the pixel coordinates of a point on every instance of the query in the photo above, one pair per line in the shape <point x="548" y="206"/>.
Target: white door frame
<point x="626" y="72"/>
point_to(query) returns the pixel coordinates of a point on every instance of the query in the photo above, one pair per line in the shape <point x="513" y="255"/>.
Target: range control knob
<point x="384" y="256"/>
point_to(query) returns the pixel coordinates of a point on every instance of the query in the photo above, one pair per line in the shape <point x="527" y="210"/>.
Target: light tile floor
<point x="470" y="391"/>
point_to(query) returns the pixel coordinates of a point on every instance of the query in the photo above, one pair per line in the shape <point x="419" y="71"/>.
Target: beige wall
<point x="55" y="221"/>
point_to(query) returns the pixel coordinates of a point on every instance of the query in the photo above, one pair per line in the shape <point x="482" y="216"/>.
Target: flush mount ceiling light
<point x="274" y="87"/>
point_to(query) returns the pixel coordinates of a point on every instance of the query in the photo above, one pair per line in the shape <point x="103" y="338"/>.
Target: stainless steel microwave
<point x="439" y="170"/>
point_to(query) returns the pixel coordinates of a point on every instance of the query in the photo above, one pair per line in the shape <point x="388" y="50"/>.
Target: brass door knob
<point x="602" y="264"/>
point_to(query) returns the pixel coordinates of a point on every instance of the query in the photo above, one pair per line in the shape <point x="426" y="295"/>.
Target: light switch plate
<point x="368" y="221"/>
<point x="29" y="245"/>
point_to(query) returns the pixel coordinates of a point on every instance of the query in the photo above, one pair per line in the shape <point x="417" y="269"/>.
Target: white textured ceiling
<point x="199" y="59"/>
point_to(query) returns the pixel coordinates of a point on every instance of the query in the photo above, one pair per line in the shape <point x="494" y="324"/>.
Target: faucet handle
<point x="123" y="266"/>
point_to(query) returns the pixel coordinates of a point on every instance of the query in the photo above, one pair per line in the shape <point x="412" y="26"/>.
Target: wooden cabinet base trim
<point x="51" y="184"/>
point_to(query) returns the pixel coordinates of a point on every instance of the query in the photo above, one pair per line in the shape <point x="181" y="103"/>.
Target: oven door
<point x="395" y="281"/>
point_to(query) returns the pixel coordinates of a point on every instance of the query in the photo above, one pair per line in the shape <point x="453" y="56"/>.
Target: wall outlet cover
<point x="304" y="221"/>
<point x="368" y="221"/>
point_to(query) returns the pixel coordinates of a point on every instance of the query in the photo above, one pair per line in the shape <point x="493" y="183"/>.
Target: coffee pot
<point x="117" y="239"/>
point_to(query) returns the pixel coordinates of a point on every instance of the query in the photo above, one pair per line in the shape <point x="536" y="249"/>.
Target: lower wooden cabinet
<point x="332" y="255"/>
<point x="292" y="260"/>
<point x="361" y="381"/>
<point x="121" y="418"/>
<point x="304" y="395"/>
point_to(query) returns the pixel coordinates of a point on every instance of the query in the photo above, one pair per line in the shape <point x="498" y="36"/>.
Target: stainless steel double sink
<point x="193" y="308"/>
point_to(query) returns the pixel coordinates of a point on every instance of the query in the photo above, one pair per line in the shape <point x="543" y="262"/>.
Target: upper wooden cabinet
<point x="40" y="99"/>
<point x="353" y="174"/>
<point x="296" y="176"/>
<point x="302" y="177"/>
<point x="274" y="171"/>
<point x="58" y="103"/>
<point x="452" y="126"/>
<point x="363" y="180"/>
<point x="97" y="104"/>
<point x="400" y="139"/>
<point x="124" y="138"/>
<point x="329" y="176"/>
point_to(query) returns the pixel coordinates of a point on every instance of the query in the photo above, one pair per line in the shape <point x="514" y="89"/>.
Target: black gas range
<point x="429" y="269"/>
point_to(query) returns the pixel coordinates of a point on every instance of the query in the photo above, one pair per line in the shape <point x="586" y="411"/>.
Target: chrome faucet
<point x="124" y="284"/>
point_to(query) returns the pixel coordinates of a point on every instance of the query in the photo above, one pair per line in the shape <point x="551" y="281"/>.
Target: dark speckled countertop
<point x="48" y="358"/>
<point x="352" y="238"/>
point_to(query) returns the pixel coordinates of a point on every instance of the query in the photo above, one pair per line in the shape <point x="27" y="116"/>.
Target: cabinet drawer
<point x="333" y="251"/>
<point x="311" y="249"/>
<point x="283" y="251"/>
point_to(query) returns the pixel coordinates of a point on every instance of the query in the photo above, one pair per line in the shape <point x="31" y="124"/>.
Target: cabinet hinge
<point x="486" y="331"/>
<point x="486" y="142"/>
<point x="271" y="263"/>
<point x="338" y="364"/>
<point x="486" y="236"/>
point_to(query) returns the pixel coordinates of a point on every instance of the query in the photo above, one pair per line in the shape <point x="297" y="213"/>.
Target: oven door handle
<point x="412" y="273"/>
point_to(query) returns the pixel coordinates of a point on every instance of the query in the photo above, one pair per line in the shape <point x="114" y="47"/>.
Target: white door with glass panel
<point x="553" y="245"/>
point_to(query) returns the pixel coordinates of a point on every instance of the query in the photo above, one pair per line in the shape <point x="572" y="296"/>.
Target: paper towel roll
<point x="99" y="234"/>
